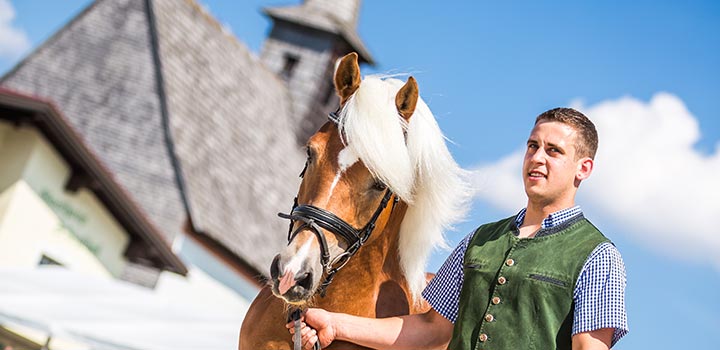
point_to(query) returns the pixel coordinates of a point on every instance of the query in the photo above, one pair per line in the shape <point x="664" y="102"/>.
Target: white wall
<point x="30" y="229"/>
<point x="15" y="149"/>
<point x="3" y="129"/>
<point x="38" y="209"/>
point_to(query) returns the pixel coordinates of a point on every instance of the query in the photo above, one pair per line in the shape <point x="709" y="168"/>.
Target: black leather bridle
<point x="314" y="218"/>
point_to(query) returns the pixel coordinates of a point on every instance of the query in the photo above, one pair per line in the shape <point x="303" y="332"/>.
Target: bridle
<point x="314" y="218"/>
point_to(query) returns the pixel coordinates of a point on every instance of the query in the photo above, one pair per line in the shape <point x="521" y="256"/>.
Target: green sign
<point x="67" y="214"/>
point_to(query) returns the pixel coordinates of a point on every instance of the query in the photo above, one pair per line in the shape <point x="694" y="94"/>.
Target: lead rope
<point x="297" y="337"/>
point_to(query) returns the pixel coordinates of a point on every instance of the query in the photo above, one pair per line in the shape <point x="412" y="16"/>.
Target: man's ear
<point x="584" y="169"/>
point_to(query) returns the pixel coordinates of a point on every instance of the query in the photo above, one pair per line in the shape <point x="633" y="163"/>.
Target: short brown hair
<point x="587" y="140"/>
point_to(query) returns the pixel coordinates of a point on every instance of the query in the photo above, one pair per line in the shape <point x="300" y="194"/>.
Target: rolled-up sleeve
<point x="599" y="295"/>
<point x="443" y="291"/>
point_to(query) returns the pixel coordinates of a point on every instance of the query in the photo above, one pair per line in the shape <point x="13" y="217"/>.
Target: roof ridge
<point x="159" y="79"/>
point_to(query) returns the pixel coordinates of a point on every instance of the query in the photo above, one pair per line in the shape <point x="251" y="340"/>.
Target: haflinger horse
<point x="379" y="188"/>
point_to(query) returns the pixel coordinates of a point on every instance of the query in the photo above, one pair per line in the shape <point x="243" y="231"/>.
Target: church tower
<point x="302" y="48"/>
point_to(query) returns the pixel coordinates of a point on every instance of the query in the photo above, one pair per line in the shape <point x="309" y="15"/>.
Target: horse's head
<point x="341" y="204"/>
<point x="381" y="146"/>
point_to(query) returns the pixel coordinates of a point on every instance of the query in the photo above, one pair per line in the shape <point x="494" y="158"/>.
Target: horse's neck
<point x="372" y="275"/>
<point x="380" y="255"/>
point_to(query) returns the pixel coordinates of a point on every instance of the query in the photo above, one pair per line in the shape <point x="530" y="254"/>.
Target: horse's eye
<point x="308" y="160"/>
<point x="379" y="185"/>
<point x="302" y="173"/>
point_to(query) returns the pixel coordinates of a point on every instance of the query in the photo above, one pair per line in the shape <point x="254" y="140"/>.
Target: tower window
<point x="291" y="62"/>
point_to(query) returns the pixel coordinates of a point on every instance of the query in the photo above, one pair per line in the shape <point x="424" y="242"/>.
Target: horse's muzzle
<point x="293" y="288"/>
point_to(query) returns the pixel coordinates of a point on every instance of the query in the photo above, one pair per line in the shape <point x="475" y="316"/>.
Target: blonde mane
<point x="418" y="168"/>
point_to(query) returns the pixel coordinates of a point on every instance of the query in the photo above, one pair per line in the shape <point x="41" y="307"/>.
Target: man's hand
<point x="409" y="332"/>
<point x="317" y="326"/>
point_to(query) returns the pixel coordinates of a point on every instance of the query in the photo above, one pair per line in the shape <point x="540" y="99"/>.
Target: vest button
<point x="502" y="280"/>
<point x="509" y="262"/>
<point x="489" y="318"/>
<point x="496" y="300"/>
<point x="483" y="337"/>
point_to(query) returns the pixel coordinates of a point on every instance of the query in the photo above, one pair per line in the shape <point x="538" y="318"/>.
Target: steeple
<point x="302" y="48"/>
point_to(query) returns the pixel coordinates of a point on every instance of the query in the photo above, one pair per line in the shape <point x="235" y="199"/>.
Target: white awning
<point x="111" y="314"/>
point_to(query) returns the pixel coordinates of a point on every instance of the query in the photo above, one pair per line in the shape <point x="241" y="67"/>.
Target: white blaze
<point x="346" y="158"/>
<point x="296" y="262"/>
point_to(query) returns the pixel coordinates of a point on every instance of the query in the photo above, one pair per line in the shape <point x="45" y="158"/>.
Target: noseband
<point x="314" y="218"/>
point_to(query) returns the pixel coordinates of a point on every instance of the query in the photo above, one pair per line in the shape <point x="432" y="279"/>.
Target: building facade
<point x="203" y="135"/>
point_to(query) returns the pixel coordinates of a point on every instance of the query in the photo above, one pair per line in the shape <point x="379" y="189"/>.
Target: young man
<point x="545" y="278"/>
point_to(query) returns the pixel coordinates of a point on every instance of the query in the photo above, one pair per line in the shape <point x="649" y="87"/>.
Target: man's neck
<point x="535" y="214"/>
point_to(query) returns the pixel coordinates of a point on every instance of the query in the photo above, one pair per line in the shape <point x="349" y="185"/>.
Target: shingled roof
<point x="189" y="121"/>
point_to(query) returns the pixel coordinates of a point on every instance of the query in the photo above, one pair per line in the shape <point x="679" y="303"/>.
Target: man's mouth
<point x="536" y="175"/>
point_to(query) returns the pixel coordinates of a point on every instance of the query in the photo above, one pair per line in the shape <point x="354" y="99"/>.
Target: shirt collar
<point x="553" y="219"/>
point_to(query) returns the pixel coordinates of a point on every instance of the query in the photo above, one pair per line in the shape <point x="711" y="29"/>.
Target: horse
<point x="378" y="189"/>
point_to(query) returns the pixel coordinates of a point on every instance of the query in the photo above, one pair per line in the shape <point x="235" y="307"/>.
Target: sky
<point x="646" y="72"/>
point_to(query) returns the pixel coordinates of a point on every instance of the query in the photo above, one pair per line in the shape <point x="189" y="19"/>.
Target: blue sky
<point x="647" y="73"/>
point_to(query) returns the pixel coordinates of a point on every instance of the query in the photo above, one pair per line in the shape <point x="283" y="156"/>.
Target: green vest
<point x="518" y="292"/>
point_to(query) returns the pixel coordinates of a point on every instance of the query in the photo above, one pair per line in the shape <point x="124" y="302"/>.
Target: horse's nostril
<point x="275" y="267"/>
<point x="305" y="280"/>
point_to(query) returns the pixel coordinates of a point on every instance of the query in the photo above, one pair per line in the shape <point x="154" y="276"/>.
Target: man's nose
<point x="539" y="156"/>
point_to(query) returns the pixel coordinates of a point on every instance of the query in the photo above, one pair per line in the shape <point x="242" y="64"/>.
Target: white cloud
<point x="500" y="183"/>
<point x="13" y="41"/>
<point x="647" y="178"/>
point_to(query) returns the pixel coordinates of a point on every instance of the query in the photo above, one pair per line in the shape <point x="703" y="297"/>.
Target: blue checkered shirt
<point x="599" y="295"/>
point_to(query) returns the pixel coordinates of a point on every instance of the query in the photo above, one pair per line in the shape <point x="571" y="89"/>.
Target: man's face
<point x="550" y="167"/>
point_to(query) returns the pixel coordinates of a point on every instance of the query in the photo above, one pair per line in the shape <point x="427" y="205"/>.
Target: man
<point x="545" y="278"/>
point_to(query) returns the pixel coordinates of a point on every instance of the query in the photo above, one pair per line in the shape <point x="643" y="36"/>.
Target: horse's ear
<point x="347" y="76"/>
<point x="406" y="99"/>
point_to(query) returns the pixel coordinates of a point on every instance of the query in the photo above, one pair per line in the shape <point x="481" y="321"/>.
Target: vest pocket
<point x="548" y="279"/>
<point x="475" y="264"/>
